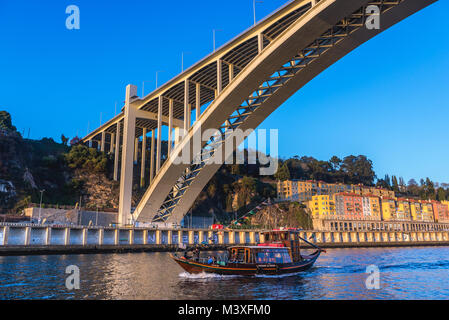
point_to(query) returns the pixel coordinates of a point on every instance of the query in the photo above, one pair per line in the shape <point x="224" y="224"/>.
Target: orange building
<point x="441" y="211"/>
<point x="349" y="206"/>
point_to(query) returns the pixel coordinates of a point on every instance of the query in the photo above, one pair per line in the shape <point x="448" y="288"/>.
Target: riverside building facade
<point x="340" y="207"/>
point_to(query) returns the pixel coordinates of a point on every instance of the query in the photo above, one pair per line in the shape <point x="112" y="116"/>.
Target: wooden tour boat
<point x="280" y="254"/>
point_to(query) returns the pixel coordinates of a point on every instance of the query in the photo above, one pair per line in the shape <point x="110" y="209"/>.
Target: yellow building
<point x="322" y="207"/>
<point x="285" y="189"/>
<point x="388" y="209"/>
<point x="415" y="210"/>
<point x="296" y="190"/>
<point x="427" y="211"/>
<point x="421" y="210"/>
<point x="403" y="211"/>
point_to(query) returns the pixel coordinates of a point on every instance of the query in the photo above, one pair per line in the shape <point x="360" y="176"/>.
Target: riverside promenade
<point x="27" y="239"/>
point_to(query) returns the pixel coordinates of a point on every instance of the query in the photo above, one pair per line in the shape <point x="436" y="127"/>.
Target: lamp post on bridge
<point x="182" y="60"/>
<point x="254" y="10"/>
<point x="40" y="206"/>
<point x="214" y="31"/>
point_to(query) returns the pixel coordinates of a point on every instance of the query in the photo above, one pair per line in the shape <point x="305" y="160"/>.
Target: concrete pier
<point x="23" y="239"/>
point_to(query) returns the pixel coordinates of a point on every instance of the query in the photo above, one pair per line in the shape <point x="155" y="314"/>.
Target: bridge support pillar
<point x="143" y="160"/>
<point x="260" y="42"/>
<point x="100" y="236"/>
<point x="221" y="237"/>
<point x="186" y="106"/>
<point x="111" y="145"/>
<point x="103" y="141"/>
<point x="261" y="238"/>
<point x="210" y="236"/>
<point x="27" y="236"/>
<point x="84" y="236"/>
<point x="170" y="126"/>
<point x="169" y="237"/>
<point x="116" y="237"/>
<point x="152" y="156"/>
<point x="231" y="237"/>
<point x="191" y="237"/>
<point x="131" y="236"/>
<point x="158" y="237"/>
<point x="136" y="149"/>
<point x="242" y="238"/>
<point x="117" y="152"/>
<point x="126" y="178"/>
<point x="159" y="134"/>
<point x="5" y="236"/>
<point x="198" y="102"/>
<point x="67" y="236"/>
<point x="47" y="236"/>
<point x="219" y="76"/>
<point x="252" y="237"/>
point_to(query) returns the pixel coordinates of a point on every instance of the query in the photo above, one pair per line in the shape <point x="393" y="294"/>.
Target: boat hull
<point x="194" y="267"/>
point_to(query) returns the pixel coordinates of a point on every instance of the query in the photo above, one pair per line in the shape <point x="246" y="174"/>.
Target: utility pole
<point x="214" y="31"/>
<point x="254" y="10"/>
<point x="182" y="60"/>
<point x="40" y="207"/>
<point x="79" y="212"/>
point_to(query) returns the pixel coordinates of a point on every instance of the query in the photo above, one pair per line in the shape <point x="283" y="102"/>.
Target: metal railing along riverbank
<point x="34" y="239"/>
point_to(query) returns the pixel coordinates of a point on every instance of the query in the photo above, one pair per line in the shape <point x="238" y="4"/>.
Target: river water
<point x="405" y="273"/>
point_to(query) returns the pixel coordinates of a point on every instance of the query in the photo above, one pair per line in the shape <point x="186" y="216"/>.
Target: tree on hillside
<point x="6" y="122"/>
<point x="335" y="163"/>
<point x="283" y="173"/>
<point x="64" y="139"/>
<point x="75" y="141"/>
<point x="82" y="157"/>
<point x="358" y="170"/>
<point x="395" y="183"/>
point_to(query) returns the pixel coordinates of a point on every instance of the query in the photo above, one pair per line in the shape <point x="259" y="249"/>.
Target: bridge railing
<point x="13" y="235"/>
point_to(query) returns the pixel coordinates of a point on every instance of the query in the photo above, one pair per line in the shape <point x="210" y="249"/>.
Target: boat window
<point x="238" y="255"/>
<point x="273" y="256"/>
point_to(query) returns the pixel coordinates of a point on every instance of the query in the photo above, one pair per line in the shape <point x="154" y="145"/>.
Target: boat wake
<point x="205" y="275"/>
<point x="285" y="275"/>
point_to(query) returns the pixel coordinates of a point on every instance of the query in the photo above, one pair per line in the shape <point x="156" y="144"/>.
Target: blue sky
<point x="388" y="99"/>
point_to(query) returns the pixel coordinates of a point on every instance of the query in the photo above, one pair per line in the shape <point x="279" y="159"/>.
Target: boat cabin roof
<point x="258" y="247"/>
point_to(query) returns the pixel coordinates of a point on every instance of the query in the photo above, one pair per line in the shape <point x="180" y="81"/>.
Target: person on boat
<point x="214" y="260"/>
<point x="196" y="254"/>
<point x="186" y="256"/>
<point x="210" y="260"/>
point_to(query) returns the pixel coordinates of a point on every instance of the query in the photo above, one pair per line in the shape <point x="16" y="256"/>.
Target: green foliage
<point x="350" y="170"/>
<point x="82" y="157"/>
<point x="6" y="122"/>
<point x="283" y="173"/>
<point x="303" y="218"/>
<point x="22" y="204"/>
<point x="64" y="139"/>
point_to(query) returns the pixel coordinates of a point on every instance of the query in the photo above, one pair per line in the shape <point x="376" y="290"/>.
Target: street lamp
<point x="254" y="9"/>
<point x="214" y="31"/>
<point x="182" y="60"/>
<point x="40" y="206"/>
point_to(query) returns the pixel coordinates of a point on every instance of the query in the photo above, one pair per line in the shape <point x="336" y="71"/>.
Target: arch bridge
<point x="235" y="87"/>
